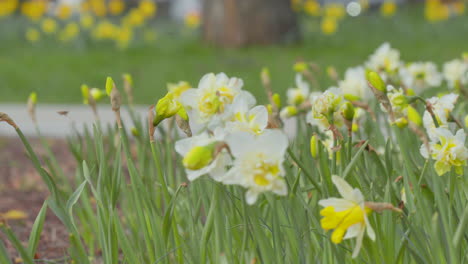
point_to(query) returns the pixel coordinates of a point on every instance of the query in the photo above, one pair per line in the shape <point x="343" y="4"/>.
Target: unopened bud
<point x="376" y="81"/>
<point x="401" y="122"/>
<point x="97" y="94"/>
<point x="288" y="111"/>
<point x="109" y="85"/>
<point x="332" y="73"/>
<point x="135" y="132"/>
<point x="413" y="116"/>
<point x="199" y="157"/>
<point x="347" y="110"/>
<point x="265" y="76"/>
<point x="32" y="100"/>
<point x="5" y="118"/>
<point x="128" y="78"/>
<point x="167" y="107"/>
<point x="85" y="93"/>
<point x="277" y="100"/>
<point x="314" y="146"/>
<point x="300" y="67"/>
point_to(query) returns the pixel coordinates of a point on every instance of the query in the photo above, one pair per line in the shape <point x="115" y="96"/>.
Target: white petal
<point x="251" y="197"/>
<point x="240" y="143"/>
<point x="353" y="231"/>
<point x="358" y="246"/>
<point x="337" y="203"/>
<point x="370" y="230"/>
<point x="343" y="187"/>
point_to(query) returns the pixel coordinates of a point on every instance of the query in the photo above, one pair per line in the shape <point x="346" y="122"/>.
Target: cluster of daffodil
<point x="99" y="20"/>
<point x="331" y="15"/>
<point x="220" y="178"/>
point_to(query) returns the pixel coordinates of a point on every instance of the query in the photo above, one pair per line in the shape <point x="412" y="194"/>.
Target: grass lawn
<point x="56" y="72"/>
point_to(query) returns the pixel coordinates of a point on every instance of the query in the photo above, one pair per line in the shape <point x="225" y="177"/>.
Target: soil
<point x="21" y="188"/>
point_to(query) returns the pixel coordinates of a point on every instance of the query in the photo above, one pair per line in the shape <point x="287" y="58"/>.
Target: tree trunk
<point x="235" y="23"/>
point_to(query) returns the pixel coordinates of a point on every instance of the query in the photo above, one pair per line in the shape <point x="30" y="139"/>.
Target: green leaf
<point x="36" y="231"/>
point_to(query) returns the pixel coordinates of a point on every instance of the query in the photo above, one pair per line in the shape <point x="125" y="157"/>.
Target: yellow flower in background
<point x="296" y="5"/>
<point x="458" y="7"/>
<point x="116" y="7"/>
<point x="98" y="7"/>
<point x="364" y="4"/>
<point x="192" y="20"/>
<point x="388" y="8"/>
<point x="64" y="12"/>
<point x="134" y="18"/>
<point x="8" y="7"/>
<point x="123" y="37"/>
<point x="336" y="11"/>
<point x="32" y="35"/>
<point x="329" y="25"/>
<point x="49" y="25"/>
<point x="69" y="32"/>
<point x="86" y="21"/>
<point x="105" y="30"/>
<point x="436" y="11"/>
<point x="312" y="7"/>
<point x="34" y="10"/>
<point x="147" y="8"/>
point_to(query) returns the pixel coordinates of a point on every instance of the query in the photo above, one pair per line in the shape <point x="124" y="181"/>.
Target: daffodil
<point x="33" y="35"/>
<point x="49" y="25"/>
<point x="177" y="89"/>
<point x="442" y="108"/>
<point x="258" y="164"/>
<point x="327" y="103"/>
<point x="456" y="73"/>
<point x="192" y="20"/>
<point x="448" y="151"/>
<point x="329" y="25"/>
<point x="347" y="216"/>
<point x="208" y="102"/>
<point x="354" y="86"/>
<point x="202" y="155"/>
<point x="384" y="59"/>
<point x="244" y="118"/>
<point x="388" y="8"/>
<point x="300" y="93"/>
<point x="420" y="75"/>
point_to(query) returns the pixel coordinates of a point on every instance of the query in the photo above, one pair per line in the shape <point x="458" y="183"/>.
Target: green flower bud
<point x="265" y="76"/>
<point x="300" y="67"/>
<point x="347" y="110"/>
<point x="376" y="81"/>
<point x="165" y="108"/>
<point x="85" y="93"/>
<point x="401" y="122"/>
<point x="128" y="78"/>
<point x="109" y="85"/>
<point x="466" y="121"/>
<point x="97" y="94"/>
<point x="32" y="98"/>
<point x="277" y="100"/>
<point x="314" y="146"/>
<point x="199" y="157"/>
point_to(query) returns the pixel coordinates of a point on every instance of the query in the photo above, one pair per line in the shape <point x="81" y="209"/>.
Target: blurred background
<point x="53" y="47"/>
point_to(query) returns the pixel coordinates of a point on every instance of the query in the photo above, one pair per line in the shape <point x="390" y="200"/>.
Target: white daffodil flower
<point x="384" y="59"/>
<point x="456" y="73"/>
<point x="398" y="101"/>
<point x="244" y="118"/>
<point x="199" y="157"/>
<point x="448" y="151"/>
<point x="442" y="108"/>
<point x="300" y="93"/>
<point x="327" y="103"/>
<point x="419" y="76"/>
<point x="258" y="164"/>
<point x="346" y="215"/>
<point x="207" y="103"/>
<point x="354" y="86"/>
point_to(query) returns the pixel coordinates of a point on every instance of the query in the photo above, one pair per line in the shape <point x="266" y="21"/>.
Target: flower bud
<point x="128" y="78"/>
<point x="401" y="122"/>
<point x="97" y="94"/>
<point x="413" y="116"/>
<point x="347" y="110"/>
<point x="300" y="67"/>
<point x="167" y="107"/>
<point x="85" y="93"/>
<point x="288" y="111"/>
<point x="265" y="76"/>
<point x="332" y="73"/>
<point x="199" y="157"/>
<point x="314" y="146"/>
<point x="32" y="98"/>
<point x="109" y="85"/>
<point x="376" y="81"/>
<point x="277" y="100"/>
<point x="135" y="132"/>
<point x="466" y="121"/>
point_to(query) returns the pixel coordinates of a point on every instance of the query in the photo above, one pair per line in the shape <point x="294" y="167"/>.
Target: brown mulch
<point x="21" y="188"/>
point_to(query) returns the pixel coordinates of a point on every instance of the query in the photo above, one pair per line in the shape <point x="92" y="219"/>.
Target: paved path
<point x="55" y="125"/>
